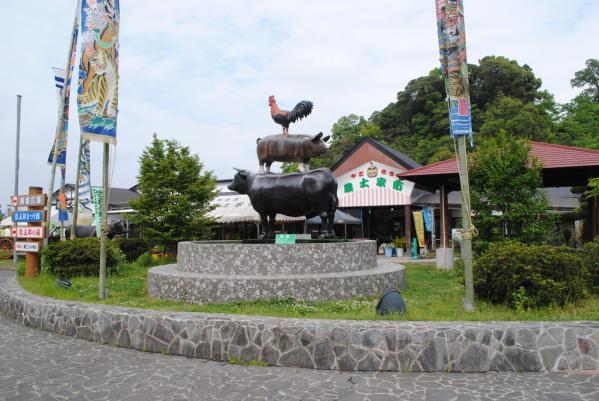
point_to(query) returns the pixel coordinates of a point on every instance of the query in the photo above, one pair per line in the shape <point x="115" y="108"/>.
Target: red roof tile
<point x="551" y="155"/>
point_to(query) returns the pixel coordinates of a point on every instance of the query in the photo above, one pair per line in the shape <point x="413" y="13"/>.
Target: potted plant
<point x="388" y="250"/>
<point x="399" y="243"/>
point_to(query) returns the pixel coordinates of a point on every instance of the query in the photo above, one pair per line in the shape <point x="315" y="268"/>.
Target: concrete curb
<point x="313" y="343"/>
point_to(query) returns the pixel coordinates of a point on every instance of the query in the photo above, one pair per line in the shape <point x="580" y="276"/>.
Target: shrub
<point x="133" y="248"/>
<point x="145" y="260"/>
<point x="590" y="254"/>
<point x="79" y="257"/>
<point x="530" y="275"/>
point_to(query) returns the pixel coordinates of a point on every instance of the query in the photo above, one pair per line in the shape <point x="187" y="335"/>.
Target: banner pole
<point x="466" y="225"/>
<point x="104" y="225"/>
<point x="77" y="178"/>
<point x="15" y="257"/>
<point x="60" y="125"/>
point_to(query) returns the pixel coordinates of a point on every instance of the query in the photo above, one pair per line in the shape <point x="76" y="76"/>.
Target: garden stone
<point x="370" y="362"/>
<point x="250" y="353"/>
<point x="371" y="338"/>
<point x="550" y="356"/>
<point x="433" y="357"/>
<point x="346" y="363"/>
<point x="523" y="360"/>
<point x="324" y="357"/>
<point x="297" y="357"/>
<point x="526" y="339"/>
<point x="475" y="358"/>
<point x="270" y="355"/>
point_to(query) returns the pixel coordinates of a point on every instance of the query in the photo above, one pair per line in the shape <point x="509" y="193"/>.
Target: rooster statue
<point x="284" y="117"/>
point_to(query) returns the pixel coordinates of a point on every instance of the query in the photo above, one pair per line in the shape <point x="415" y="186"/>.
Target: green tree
<point x="175" y="194"/>
<point x="588" y="78"/>
<point x="517" y="118"/>
<point x="580" y="123"/>
<point x="506" y="200"/>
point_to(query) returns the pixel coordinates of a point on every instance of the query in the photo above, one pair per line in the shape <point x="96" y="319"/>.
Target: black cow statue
<point x="295" y="194"/>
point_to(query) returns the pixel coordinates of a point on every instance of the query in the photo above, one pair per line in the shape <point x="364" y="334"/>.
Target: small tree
<point x="506" y="199"/>
<point x="175" y="194"/>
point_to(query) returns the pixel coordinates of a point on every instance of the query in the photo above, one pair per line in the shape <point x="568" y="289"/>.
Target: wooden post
<point x="407" y="210"/>
<point x="32" y="259"/>
<point x="76" y="194"/>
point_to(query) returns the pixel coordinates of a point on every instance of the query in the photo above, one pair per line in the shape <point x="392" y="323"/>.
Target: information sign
<point x="31" y="200"/>
<point x="27" y="246"/>
<point x="22" y="217"/>
<point x="284" y="239"/>
<point x="27" y="232"/>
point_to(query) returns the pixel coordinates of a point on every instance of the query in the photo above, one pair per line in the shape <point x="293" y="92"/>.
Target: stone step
<point x="166" y="282"/>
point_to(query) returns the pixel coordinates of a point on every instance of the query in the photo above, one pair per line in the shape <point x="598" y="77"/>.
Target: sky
<point x="201" y="71"/>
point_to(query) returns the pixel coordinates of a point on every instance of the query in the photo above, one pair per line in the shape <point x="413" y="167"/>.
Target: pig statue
<point x="291" y="148"/>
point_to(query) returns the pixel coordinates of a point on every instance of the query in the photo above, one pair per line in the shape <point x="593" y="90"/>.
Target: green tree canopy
<point x="175" y="194"/>
<point x="506" y="200"/>
<point x="588" y="78"/>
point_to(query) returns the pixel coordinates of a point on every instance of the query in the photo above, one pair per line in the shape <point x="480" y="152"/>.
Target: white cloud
<point x="201" y="71"/>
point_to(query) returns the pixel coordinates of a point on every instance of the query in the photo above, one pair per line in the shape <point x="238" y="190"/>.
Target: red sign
<point x="27" y="232"/>
<point x="14" y="201"/>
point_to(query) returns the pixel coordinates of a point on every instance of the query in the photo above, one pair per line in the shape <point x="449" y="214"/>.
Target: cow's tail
<point x="258" y="140"/>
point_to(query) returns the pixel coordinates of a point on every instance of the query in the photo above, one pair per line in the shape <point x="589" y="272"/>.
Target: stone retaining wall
<point x="320" y="344"/>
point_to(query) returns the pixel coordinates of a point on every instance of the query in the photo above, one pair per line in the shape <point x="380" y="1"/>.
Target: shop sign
<point x="373" y="176"/>
<point x="29" y="200"/>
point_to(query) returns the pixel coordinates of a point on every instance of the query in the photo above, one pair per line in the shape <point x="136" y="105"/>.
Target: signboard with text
<point x="27" y="232"/>
<point x="28" y="217"/>
<point x="29" y="200"/>
<point x="285" y="239"/>
<point x="27" y="246"/>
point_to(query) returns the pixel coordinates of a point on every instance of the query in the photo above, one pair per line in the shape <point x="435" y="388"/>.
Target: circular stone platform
<point x="230" y="271"/>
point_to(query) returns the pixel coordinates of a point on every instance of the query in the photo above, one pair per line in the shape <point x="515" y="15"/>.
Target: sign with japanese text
<point x="29" y="200"/>
<point x="285" y="239"/>
<point x="27" y="246"/>
<point x="27" y="232"/>
<point x="28" y="217"/>
<point x="373" y="184"/>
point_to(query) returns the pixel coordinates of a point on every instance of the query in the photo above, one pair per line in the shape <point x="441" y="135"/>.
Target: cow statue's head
<point x="318" y="145"/>
<point x="240" y="181"/>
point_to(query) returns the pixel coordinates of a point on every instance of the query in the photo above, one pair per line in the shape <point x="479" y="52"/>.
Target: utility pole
<point x="16" y="191"/>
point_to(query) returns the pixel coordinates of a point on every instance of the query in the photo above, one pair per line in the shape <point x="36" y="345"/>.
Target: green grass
<point x="430" y="295"/>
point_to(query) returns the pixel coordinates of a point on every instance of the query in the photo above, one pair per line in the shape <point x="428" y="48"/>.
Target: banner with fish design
<point x="85" y="192"/>
<point x="98" y="70"/>
<point x="62" y="80"/>
<point x="454" y="67"/>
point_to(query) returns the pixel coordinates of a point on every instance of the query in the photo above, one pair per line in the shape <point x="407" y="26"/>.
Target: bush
<point x="133" y="248"/>
<point x="80" y="257"/>
<point x="527" y="276"/>
<point x="145" y="260"/>
<point x="590" y="254"/>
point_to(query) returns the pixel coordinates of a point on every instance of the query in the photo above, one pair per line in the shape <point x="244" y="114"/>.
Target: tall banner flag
<point x="85" y="192"/>
<point x="60" y="76"/>
<point x="97" y="94"/>
<point x="419" y="224"/>
<point x="454" y="67"/>
<point x="98" y="197"/>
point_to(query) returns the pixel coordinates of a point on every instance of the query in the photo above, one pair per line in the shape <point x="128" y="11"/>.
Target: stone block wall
<point x="317" y="344"/>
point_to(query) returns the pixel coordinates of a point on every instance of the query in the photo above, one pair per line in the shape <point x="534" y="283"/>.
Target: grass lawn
<point x="430" y="295"/>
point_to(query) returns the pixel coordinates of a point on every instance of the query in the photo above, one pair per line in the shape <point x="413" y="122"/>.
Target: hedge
<point x="79" y="257"/>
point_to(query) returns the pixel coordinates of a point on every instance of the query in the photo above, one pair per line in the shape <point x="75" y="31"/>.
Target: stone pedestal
<point x="232" y="271"/>
<point x="445" y="258"/>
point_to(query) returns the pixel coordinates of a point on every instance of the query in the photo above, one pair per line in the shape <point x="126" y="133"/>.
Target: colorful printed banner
<point x="85" y="192"/>
<point x="98" y="70"/>
<point x="454" y="67"/>
<point x="419" y="224"/>
<point x="98" y="196"/>
<point x="428" y="218"/>
<point x="60" y="76"/>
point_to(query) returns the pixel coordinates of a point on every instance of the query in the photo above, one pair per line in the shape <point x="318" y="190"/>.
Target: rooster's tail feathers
<point x="301" y="110"/>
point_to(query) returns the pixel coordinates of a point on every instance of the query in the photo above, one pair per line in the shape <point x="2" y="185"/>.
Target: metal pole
<point x="76" y="196"/>
<point x="16" y="192"/>
<point x="60" y="124"/>
<point x="466" y="224"/>
<point x="104" y="224"/>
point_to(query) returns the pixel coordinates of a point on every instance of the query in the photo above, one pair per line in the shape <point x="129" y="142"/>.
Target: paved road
<point x="36" y="365"/>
